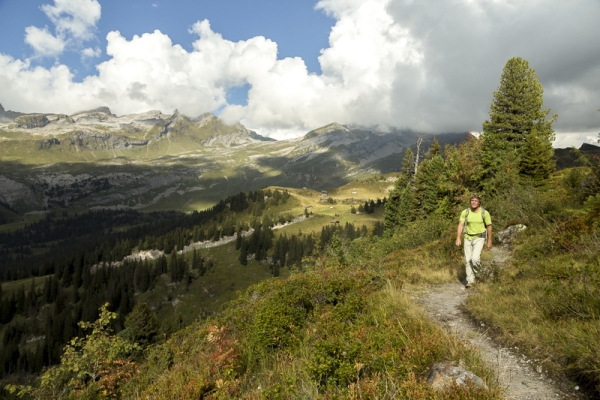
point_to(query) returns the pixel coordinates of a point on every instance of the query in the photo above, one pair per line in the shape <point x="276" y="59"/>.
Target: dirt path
<point x="516" y="374"/>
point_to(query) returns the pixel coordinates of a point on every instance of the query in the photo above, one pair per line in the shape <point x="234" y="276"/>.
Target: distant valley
<point x="149" y="161"/>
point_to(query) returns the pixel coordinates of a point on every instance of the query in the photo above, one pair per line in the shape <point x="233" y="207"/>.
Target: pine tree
<point x="161" y="265"/>
<point x="32" y="298"/>
<point x="21" y="299"/>
<point x="78" y="272"/>
<point x="429" y="185"/>
<point x="244" y="253"/>
<point x="434" y="150"/>
<point x="516" y="114"/>
<point x="408" y="162"/>
<point x="173" y="267"/>
<point x="238" y="238"/>
<point x="141" y="325"/>
<point x="537" y="160"/>
<point x="398" y="207"/>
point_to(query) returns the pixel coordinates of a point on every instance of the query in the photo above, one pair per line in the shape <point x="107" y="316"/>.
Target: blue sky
<point x="284" y="68"/>
<point x="298" y="29"/>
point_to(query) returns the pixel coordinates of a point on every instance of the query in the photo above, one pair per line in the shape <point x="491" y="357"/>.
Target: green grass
<point x="558" y="303"/>
<point x="334" y="331"/>
<point x="345" y="327"/>
<point x="553" y="281"/>
<point x="10" y="288"/>
<point x="206" y="294"/>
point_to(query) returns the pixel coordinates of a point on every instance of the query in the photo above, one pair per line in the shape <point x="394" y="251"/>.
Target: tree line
<point x="515" y="147"/>
<point x="109" y="235"/>
<point x="38" y="323"/>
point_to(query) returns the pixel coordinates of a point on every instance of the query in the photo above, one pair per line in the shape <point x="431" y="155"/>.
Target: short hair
<point x="475" y="196"/>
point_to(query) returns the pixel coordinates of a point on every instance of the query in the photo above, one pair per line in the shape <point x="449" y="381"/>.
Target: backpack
<point x="467" y="220"/>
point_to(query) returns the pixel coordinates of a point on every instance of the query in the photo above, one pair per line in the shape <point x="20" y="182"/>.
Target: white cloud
<point x="574" y="139"/>
<point x="366" y="47"/>
<point x="43" y="42"/>
<point x="76" y="18"/>
<point x="88" y="52"/>
<point x="74" y="21"/>
<point x="426" y="65"/>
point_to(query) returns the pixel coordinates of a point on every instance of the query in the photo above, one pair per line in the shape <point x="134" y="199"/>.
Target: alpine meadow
<point x="156" y="256"/>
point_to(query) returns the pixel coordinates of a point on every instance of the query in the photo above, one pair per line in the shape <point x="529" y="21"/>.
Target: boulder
<point x="443" y="375"/>
<point x="506" y="236"/>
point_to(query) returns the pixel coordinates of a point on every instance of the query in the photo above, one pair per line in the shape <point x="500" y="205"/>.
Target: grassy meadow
<point x="344" y="325"/>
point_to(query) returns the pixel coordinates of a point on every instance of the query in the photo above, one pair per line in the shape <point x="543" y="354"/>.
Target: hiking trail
<point x="517" y="375"/>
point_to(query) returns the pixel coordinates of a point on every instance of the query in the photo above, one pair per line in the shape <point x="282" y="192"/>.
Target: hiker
<point x="476" y="226"/>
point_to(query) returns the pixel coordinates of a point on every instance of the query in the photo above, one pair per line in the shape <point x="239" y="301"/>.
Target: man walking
<point x="476" y="226"/>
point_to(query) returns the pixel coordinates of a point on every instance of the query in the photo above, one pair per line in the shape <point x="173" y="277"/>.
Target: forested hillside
<point x="62" y="269"/>
<point x="335" y="318"/>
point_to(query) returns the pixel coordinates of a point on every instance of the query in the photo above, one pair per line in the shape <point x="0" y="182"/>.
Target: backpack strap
<point x="483" y="217"/>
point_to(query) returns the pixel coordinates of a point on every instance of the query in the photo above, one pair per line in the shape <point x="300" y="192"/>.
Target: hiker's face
<point x="474" y="202"/>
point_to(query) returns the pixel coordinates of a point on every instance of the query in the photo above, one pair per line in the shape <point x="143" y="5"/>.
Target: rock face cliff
<point x="7" y="116"/>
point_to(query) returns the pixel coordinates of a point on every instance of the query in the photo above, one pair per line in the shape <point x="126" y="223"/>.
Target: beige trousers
<point x="472" y="257"/>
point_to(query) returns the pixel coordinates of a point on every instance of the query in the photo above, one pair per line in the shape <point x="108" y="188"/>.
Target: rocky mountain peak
<point x="103" y="110"/>
<point x="8" y="115"/>
<point x="332" y="127"/>
<point x="204" y="119"/>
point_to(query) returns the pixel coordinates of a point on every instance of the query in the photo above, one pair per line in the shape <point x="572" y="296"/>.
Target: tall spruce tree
<point x="398" y="208"/>
<point x="537" y="160"/>
<point x="429" y="185"/>
<point x="517" y="139"/>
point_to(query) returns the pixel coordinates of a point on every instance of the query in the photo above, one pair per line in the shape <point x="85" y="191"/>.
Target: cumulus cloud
<point x="43" y="42"/>
<point x="427" y="65"/>
<point x="75" y="22"/>
<point x="76" y="18"/>
<point x="88" y="53"/>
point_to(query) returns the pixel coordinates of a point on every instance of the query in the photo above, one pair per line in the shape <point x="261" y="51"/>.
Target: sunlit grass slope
<point x="343" y="328"/>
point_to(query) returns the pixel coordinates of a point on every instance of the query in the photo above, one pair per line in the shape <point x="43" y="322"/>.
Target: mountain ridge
<point x="151" y="160"/>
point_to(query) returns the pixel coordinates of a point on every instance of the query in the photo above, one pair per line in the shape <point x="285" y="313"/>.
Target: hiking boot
<point x="470" y="285"/>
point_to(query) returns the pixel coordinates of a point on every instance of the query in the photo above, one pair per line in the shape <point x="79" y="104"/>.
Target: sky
<point x="285" y="68"/>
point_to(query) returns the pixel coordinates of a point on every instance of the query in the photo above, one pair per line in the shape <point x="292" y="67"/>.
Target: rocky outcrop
<point x="443" y="375"/>
<point x="239" y="138"/>
<point x="60" y="119"/>
<point x="13" y="192"/>
<point x="8" y="115"/>
<point x="506" y="236"/>
<point x="46" y="144"/>
<point x="107" y="141"/>
<point x="30" y="121"/>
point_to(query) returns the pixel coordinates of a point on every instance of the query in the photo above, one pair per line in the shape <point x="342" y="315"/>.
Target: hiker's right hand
<point x="458" y="242"/>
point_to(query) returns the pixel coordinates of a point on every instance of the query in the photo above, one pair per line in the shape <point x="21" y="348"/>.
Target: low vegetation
<point x="327" y="313"/>
<point x="553" y="280"/>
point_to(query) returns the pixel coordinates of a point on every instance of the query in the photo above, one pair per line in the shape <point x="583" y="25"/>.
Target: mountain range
<point x="94" y="159"/>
